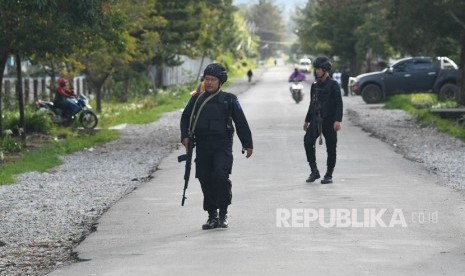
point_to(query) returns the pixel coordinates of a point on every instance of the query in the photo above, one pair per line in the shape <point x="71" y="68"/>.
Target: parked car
<point x="304" y="65"/>
<point x="409" y="75"/>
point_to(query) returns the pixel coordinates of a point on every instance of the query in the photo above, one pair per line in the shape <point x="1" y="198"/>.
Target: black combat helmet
<point x="323" y="63"/>
<point x="216" y="70"/>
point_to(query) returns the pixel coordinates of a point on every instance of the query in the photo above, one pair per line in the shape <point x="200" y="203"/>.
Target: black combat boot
<point x="315" y="173"/>
<point x="212" y="221"/>
<point x="223" y="220"/>
<point x="328" y="178"/>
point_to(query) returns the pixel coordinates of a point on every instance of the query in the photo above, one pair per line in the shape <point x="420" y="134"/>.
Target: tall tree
<point x="328" y="27"/>
<point x="268" y="21"/>
<point x="178" y="36"/>
<point x="217" y="27"/>
<point x="306" y="22"/>
<point x="143" y="22"/>
<point x="372" y="40"/>
<point x="105" y="51"/>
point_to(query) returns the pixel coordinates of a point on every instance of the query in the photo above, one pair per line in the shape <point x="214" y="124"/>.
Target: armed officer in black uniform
<point x="209" y="116"/>
<point x="324" y="116"/>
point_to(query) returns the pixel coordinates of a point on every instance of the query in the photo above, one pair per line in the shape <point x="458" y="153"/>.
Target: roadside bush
<point x="9" y="144"/>
<point x="38" y="123"/>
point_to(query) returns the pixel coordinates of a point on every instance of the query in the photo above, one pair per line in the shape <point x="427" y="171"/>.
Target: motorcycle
<point x="296" y="90"/>
<point x="87" y="117"/>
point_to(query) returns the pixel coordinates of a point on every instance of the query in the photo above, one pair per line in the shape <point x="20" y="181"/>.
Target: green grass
<point x="145" y="110"/>
<point x="419" y="105"/>
<point x="47" y="157"/>
<point x="67" y="140"/>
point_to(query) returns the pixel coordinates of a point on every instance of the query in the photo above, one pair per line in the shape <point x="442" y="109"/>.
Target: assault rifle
<point x="188" y="158"/>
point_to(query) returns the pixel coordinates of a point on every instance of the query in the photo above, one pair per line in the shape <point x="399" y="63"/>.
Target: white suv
<point x="304" y="65"/>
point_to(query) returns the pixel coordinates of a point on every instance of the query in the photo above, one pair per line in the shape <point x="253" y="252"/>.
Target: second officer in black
<point x="210" y="116"/>
<point x="324" y="117"/>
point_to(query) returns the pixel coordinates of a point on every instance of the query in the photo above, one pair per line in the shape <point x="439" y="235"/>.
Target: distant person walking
<point x="345" y="74"/>
<point x="250" y="74"/>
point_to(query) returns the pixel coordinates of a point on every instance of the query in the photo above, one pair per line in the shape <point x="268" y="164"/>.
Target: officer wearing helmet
<point x="324" y="117"/>
<point x="209" y="116"/>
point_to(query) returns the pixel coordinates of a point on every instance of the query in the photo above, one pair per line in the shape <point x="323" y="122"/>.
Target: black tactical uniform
<point x="214" y="139"/>
<point x="325" y="109"/>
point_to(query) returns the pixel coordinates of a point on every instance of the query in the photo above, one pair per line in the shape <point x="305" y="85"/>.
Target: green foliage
<point x="446" y="104"/>
<point x="219" y="32"/>
<point x="128" y="84"/>
<point x="412" y="32"/>
<point x="147" y="109"/>
<point x="180" y="32"/>
<point x="420" y="100"/>
<point x="34" y="29"/>
<point x="35" y="122"/>
<point x="415" y="105"/>
<point x="361" y="32"/>
<point x="9" y="144"/>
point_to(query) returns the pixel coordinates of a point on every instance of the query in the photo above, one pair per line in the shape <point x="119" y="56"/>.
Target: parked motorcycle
<point x="296" y="90"/>
<point x="87" y="117"/>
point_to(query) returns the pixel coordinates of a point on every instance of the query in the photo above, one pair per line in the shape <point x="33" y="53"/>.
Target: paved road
<point x="384" y="215"/>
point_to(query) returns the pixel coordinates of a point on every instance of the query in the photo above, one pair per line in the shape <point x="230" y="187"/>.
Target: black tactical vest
<point x="215" y="117"/>
<point x="323" y="100"/>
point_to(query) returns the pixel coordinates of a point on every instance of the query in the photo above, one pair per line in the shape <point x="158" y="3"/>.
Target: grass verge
<point x="420" y="105"/>
<point x="45" y="157"/>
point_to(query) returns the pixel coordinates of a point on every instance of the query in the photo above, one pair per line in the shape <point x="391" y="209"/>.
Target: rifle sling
<point x="192" y="126"/>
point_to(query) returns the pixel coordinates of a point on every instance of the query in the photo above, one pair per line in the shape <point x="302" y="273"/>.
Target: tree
<point x="143" y="22"/>
<point x="29" y="27"/>
<point x="306" y="21"/>
<point x="430" y="27"/>
<point x="218" y="29"/>
<point x="372" y="41"/>
<point x="178" y="36"/>
<point x="329" y="28"/>
<point x="268" y="21"/>
<point x="104" y="51"/>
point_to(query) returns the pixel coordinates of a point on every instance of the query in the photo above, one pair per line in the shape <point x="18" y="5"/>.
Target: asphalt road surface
<point x="383" y="215"/>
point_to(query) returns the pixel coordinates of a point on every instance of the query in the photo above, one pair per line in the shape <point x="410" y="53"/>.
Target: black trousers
<point x="330" y="136"/>
<point x="214" y="162"/>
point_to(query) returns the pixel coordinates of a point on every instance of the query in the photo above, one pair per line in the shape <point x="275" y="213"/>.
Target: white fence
<point x="39" y="87"/>
<point x="187" y="72"/>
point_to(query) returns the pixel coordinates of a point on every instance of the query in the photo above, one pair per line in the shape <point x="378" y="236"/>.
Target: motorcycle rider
<point x="324" y="116"/>
<point x="297" y="75"/>
<point x="61" y="100"/>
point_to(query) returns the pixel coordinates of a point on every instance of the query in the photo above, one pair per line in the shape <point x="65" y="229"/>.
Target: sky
<point x="288" y="6"/>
